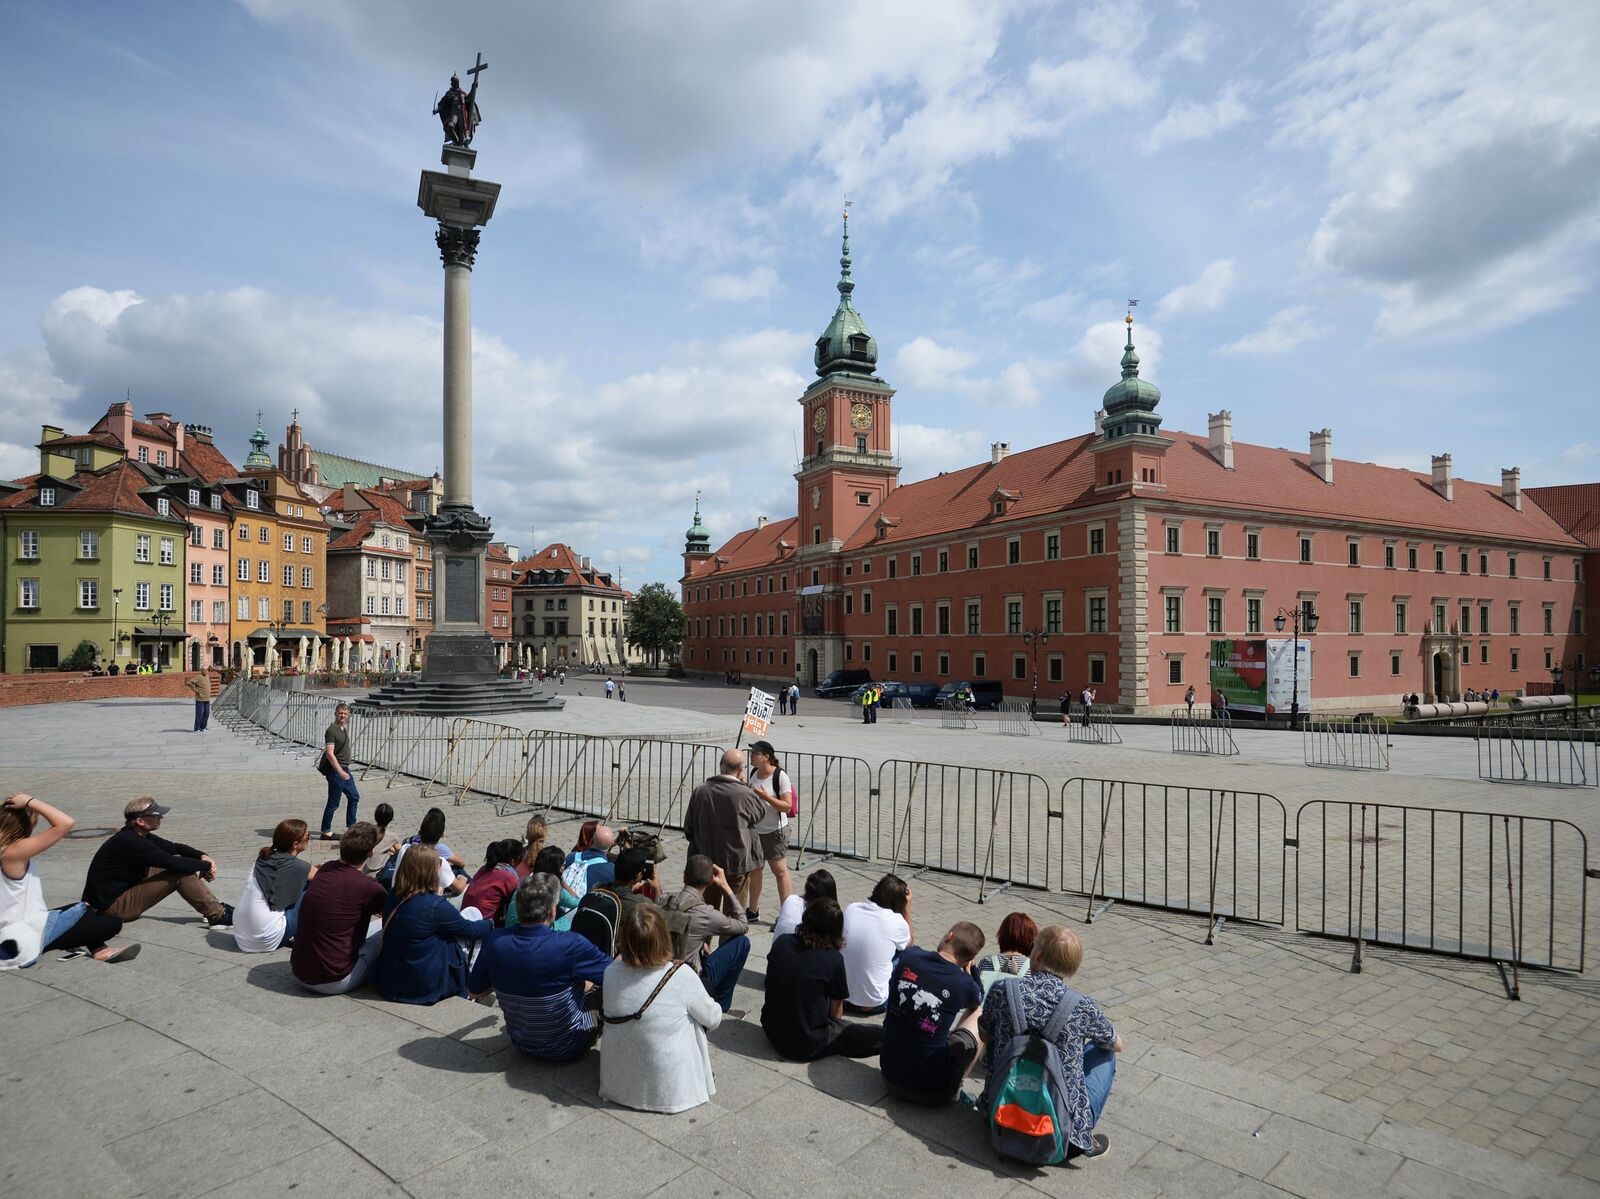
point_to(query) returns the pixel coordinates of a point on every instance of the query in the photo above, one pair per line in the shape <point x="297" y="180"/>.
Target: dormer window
<point x="194" y="496"/>
<point x="144" y="453"/>
<point x="47" y="497"/>
<point x="858" y="344"/>
<point x="252" y="500"/>
<point x="216" y="503"/>
<point x="163" y="506"/>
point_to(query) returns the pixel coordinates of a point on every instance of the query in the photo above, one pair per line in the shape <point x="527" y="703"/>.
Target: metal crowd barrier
<point x="484" y="758"/>
<point x="1016" y="719"/>
<point x="903" y="712"/>
<point x="1351" y="744"/>
<point x="986" y="824"/>
<point x="1202" y="734"/>
<point x="955" y="715"/>
<point x="1561" y="757"/>
<point x="1210" y="851"/>
<point x="1484" y="885"/>
<point x="1093" y="726"/>
<point x="835" y="797"/>
<point x="653" y="779"/>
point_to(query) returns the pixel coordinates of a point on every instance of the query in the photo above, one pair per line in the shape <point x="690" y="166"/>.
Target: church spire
<point x="1130" y="403"/>
<point x="698" y="539"/>
<point x="846" y="346"/>
<point x="258" y="448"/>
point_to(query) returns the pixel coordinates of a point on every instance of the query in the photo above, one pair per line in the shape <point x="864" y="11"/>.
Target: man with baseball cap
<point x="135" y="869"/>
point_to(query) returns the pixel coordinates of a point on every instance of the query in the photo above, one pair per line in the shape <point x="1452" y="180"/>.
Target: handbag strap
<point x="665" y="978"/>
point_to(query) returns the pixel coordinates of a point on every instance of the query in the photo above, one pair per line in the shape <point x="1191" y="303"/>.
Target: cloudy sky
<point x="1378" y="216"/>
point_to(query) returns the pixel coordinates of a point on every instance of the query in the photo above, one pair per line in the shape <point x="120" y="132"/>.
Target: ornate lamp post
<point x="275" y="630"/>
<point x="116" y="616"/>
<point x="1301" y="618"/>
<point x="161" y="620"/>
<point x="1033" y="638"/>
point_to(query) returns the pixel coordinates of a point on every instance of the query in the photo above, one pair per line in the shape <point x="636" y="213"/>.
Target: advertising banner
<point x="1239" y="674"/>
<point x="1283" y="677"/>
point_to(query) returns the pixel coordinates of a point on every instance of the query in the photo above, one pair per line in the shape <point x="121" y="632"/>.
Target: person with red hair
<point x="1016" y="936"/>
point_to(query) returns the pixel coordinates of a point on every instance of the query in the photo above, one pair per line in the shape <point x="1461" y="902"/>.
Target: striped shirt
<point x="537" y="973"/>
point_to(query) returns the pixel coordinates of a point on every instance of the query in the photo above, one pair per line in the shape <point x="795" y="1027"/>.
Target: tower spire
<point x="846" y="346"/>
<point x="1130" y="357"/>
<point x="846" y="284"/>
<point x="258" y="447"/>
<point x="698" y="539"/>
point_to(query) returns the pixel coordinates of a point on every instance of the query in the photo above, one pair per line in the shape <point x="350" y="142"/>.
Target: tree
<point x="83" y="657"/>
<point x="656" y="622"/>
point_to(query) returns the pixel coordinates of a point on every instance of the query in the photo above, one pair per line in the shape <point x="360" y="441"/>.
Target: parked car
<point x="986" y="693"/>
<point x="921" y="695"/>
<point x="842" y="682"/>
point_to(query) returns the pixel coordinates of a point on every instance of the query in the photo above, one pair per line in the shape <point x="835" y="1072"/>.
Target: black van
<point x="986" y="693"/>
<point x="842" y="682"/>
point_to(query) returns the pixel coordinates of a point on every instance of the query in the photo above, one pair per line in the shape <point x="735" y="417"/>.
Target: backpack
<point x="598" y="914"/>
<point x="576" y="873"/>
<point x="1025" y="1099"/>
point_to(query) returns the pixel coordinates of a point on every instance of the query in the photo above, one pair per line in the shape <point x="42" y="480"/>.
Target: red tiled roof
<point x="497" y="552"/>
<point x="101" y="439"/>
<point x="206" y="462"/>
<point x="385" y="510"/>
<point x="151" y="432"/>
<point x="557" y="556"/>
<point x="755" y="547"/>
<point x="114" y="488"/>
<point x="1575" y="507"/>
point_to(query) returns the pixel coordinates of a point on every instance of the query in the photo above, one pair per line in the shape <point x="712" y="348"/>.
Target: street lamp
<point x="116" y="616"/>
<point x="1302" y="618"/>
<point x="161" y="619"/>
<point x="1033" y="638"/>
<point x="276" y="629"/>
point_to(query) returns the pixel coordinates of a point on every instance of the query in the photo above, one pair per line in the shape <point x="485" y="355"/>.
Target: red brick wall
<point x="18" y="690"/>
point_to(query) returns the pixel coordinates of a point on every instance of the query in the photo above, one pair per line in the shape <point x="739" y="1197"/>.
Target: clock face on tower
<point x="819" y="418"/>
<point x="861" y="416"/>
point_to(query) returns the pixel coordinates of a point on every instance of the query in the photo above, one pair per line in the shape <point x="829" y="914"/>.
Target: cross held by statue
<point x="477" y="66"/>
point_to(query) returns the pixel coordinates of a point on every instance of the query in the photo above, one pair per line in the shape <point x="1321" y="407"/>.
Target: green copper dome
<point x="698" y="539"/>
<point x="845" y="345"/>
<point x="1130" y="402"/>
<point x="257" y="456"/>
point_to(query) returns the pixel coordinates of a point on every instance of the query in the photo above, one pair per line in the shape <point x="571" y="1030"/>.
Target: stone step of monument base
<point x="464" y="698"/>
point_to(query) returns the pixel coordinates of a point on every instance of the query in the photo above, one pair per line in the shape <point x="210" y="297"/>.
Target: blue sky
<point x="1378" y="217"/>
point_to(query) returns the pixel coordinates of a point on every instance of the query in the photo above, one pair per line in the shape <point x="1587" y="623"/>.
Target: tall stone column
<point x="460" y="648"/>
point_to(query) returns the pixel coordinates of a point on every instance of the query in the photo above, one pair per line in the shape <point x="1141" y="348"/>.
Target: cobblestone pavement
<point x="1258" y="1065"/>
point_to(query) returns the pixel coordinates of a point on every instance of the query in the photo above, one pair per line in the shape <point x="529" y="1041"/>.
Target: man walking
<point x="335" y="767"/>
<point x="720" y="823"/>
<point x="200" y="684"/>
<point x="783" y="701"/>
<point x="611" y="688"/>
<point x="134" y="869"/>
<point x="794" y="699"/>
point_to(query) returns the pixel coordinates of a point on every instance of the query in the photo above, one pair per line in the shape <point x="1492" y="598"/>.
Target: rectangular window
<point x="1483" y="563"/>
<point x="1174" y="533"/>
<point x="942" y="620"/>
<point x="1355" y="616"/>
<point x="1549" y="620"/>
<point x="1411" y="557"/>
<point x="305" y="576"/>
<point x="944" y="664"/>
<point x="1096" y="618"/>
<point x="1466" y="619"/>
<point x="1355" y="666"/>
<point x="894" y="565"/>
<point x="383" y="605"/>
<point x="1097" y="539"/>
<point x="1353" y="553"/>
<point x="28" y="545"/>
<point x="243" y="607"/>
<point x="197" y="536"/>
<point x="1175" y="668"/>
<point x="288" y="543"/>
<point x="891" y="662"/>
<point x="1213" y="543"/>
<point x="400" y="607"/>
<point x="1053" y="669"/>
<point x="197" y="573"/>
<point x="1547" y="568"/>
<point x="243" y="572"/>
<point x="784" y="623"/>
<point x="1013" y="616"/>
<point x="891" y="622"/>
<point x="1052" y="615"/>
<point x="1252" y="614"/>
<point x="1013" y="551"/>
<point x="1097" y="668"/>
<point x="219" y="611"/>
<point x="141" y="548"/>
<point x="1174" y="613"/>
<point x="1213" y="614"/>
<point x="219" y="575"/>
<point x="980" y="666"/>
<point x="1514" y="619"/>
<point x="1483" y="654"/>
<point x="166" y="597"/>
<point x="27" y="593"/>
<point x="1438" y="618"/>
<point x="216" y="501"/>
<point x="372" y="605"/>
<point x="1438" y="561"/>
<point x="384" y="570"/>
<point x="1516" y="659"/>
<point x="197" y="611"/>
<point x="1483" y="620"/>
<point x="263" y="571"/>
<point x="141" y="597"/>
<point x="288" y="576"/>
<point x="252" y="499"/>
<point x="1388" y="556"/>
<point x="88" y="593"/>
<point x="972" y="557"/>
<point x="916" y="621"/>
<point x="849" y="603"/>
<point x="372" y="568"/>
<point x="1511" y="565"/>
<point x="288" y="611"/>
<point x="1464" y="557"/>
<point x="944" y="561"/>
<point x="168" y="551"/>
<point x="161" y="457"/>
<point x="88" y="544"/>
<point x="916" y="569"/>
<point x="1400" y="616"/>
<point x="1252" y="545"/>
<point x="219" y="539"/>
<point x="194" y="497"/>
<point x="1019" y="666"/>
<point x="1305" y="548"/>
<point x="1052" y="546"/>
<point x="1394" y="665"/>
<point x="866" y="603"/>
<point x="973" y="618"/>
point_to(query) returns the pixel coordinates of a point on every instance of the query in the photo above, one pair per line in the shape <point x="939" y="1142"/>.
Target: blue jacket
<point x="421" y="961"/>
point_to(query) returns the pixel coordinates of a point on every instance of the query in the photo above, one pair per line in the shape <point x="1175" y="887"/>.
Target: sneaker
<point x="125" y="953"/>
<point x="328" y="836"/>
<point x="751" y="915"/>
<point x="1102" y="1146"/>
<point x="223" y="921"/>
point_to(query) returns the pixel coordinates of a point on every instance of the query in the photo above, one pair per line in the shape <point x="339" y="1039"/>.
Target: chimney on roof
<point x="584" y="562"/>
<point x="998" y="451"/>
<point x="1322" y="454"/>
<point x="200" y="433"/>
<point x="1444" y="480"/>
<point x="1221" y="425"/>
<point x="119" y="423"/>
<point x="163" y="420"/>
<point x="1511" y="487"/>
<point x="1099" y="422"/>
<point x="761" y="523"/>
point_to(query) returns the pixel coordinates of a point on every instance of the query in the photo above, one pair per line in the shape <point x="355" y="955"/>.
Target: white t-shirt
<point x="447" y="874"/>
<point x="872" y="936"/>
<point x="256" y="927"/>
<point x="22" y="917"/>
<point x="789" y="915"/>
<point x="774" y="819"/>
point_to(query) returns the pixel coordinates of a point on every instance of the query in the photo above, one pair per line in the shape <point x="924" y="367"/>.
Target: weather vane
<point x="458" y="110"/>
<point x="1132" y="304"/>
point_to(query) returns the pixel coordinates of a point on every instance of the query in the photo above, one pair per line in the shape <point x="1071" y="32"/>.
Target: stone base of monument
<point x="461" y="679"/>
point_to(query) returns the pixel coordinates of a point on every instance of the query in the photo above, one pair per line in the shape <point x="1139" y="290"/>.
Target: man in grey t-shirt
<point x="335" y="766"/>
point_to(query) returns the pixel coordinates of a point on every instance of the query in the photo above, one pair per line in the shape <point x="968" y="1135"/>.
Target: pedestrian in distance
<point x="1188" y="699"/>
<point x="1066" y="708"/>
<point x="335" y="767"/>
<point x="200" y="684"/>
<point x="622" y="691"/>
<point x="611" y="687"/>
<point x="794" y="699"/>
<point x="783" y="701"/>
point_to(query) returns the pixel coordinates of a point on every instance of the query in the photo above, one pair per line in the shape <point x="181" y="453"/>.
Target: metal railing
<point x="1350" y="744"/>
<point x="904" y="711"/>
<point x="956" y="715"/>
<point x="967" y="820"/>
<point x="1016" y="719"/>
<point x="1483" y="885"/>
<point x="1553" y="756"/>
<point x="1093" y="726"/>
<point x="1209" y="851"/>
<point x="1192" y="734"/>
<point x="835" y="797"/>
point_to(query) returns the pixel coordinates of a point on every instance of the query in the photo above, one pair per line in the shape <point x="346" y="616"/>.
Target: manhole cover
<point x="88" y="834"/>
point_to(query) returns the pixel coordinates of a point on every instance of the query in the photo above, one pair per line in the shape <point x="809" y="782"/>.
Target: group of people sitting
<point x="576" y="944"/>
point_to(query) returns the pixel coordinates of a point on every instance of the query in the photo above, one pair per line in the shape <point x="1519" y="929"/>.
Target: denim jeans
<point x="337" y="787"/>
<point x="60" y="921"/>
<point x="202" y="714"/>
<point x="291" y="921"/>
<point x="1099" y="1068"/>
<point x="720" y="970"/>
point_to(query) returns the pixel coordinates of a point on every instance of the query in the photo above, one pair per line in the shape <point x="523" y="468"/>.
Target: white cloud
<point x="1188" y="121"/>
<point x="925" y="364"/>
<point x="1579" y="453"/>
<point x="1095" y="361"/>
<point x="757" y="284"/>
<point x="1206" y="293"/>
<point x="925" y="450"/>
<point x="1463" y="144"/>
<point x="1285" y="329"/>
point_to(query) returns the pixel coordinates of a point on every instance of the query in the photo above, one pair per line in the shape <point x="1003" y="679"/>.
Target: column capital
<point x="458" y="246"/>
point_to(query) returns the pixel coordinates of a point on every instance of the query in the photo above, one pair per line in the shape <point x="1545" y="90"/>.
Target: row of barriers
<point x="1482" y="885"/>
<point x="1360" y="743"/>
<point x="1552" y="756"/>
<point x="1194" y="733"/>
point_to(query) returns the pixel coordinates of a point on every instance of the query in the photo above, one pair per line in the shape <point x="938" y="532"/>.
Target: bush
<point x="83" y="657"/>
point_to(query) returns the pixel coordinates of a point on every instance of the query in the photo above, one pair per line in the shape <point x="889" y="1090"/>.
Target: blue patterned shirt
<point x="1041" y="993"/>
<point x="536" y="972"/>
